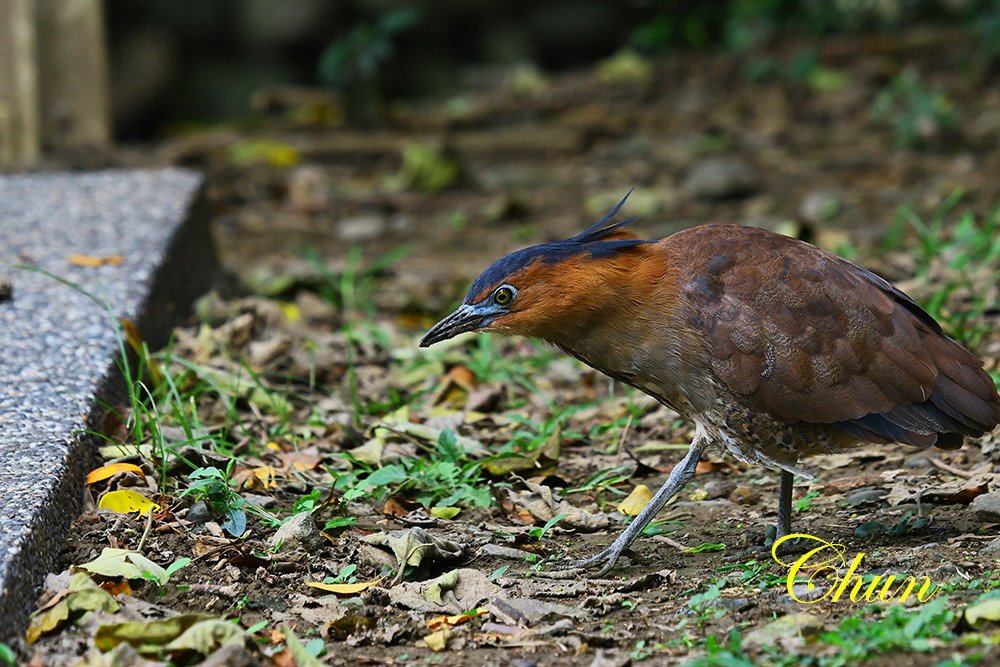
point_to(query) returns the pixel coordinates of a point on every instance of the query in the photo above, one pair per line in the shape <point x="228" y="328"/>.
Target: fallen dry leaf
<point x="438" y="622"/>
<point x="437" y="641"/>
<point x="126" y="502"/>
<point x="111" y="470"/>
<point x="636" y="501"/>
<point x="90" y="261"/>
<point x="345" y="589"/>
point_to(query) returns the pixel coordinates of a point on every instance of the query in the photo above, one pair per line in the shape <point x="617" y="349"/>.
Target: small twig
<point x="666" y="540"/>
<point x="941" y="465"/>
<point x="145" y="533"/>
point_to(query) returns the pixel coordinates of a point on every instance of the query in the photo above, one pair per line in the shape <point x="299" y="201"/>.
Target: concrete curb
<point x="58" y="348"/>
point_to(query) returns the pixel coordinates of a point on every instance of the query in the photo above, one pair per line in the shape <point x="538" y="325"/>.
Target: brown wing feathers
<point x="813" y="338"/>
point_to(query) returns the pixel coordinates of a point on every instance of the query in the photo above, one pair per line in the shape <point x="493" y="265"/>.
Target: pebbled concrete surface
<point x="57" y="347"/>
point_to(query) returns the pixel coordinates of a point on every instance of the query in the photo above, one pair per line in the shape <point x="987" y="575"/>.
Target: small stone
<point x="987" y="507"/>
<point x="263" y="502"/>
<point x="300" y="531"/>
<point x="807" y="592"/>
<point x="791" y="630"/>
<point x="866" y="494"/>
<point x="198" y="514"/>
<point x="362" y="228"/>
<point x="718" y="488"/>
<point x="992" y="547"/>
<point x="744" y="495"/>
<point x="721" y="177"/>
<point x="916" y="462"/>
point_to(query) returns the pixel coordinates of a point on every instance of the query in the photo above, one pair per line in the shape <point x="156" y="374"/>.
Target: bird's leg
<point x="784" y="523"/>
<point x="785" y="504"/>
<point x="679" y="476"/>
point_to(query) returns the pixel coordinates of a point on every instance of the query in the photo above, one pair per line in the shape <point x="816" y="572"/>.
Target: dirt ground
<point x="792" y="153"/>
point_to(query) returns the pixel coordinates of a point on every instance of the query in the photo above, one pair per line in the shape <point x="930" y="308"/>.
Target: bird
<point x="775" y="349"/>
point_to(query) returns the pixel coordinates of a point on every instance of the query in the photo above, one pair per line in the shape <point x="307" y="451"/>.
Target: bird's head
<point x="541" y="290"/>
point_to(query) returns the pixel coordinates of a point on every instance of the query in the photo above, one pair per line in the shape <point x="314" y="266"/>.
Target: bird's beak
<point x="465" y="318"/>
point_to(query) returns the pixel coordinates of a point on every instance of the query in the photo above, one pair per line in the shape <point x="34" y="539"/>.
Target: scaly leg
<point x="785" y="504"/>
<point x="783" y="526"/>
<point x="679" y="476"/>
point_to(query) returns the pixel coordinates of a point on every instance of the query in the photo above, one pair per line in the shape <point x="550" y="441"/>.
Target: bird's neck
<point x="627" y="322"/>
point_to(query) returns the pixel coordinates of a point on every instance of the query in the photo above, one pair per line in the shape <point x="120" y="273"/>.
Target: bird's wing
<point x="811" y="337"/>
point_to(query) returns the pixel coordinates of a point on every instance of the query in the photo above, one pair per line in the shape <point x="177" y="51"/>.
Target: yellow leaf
<point x="639" y="498"/>
<point x="439" y="622"/>
<point x="126" y="502"/>
<point x="262" y="151"/>
<point x="291" y="312"/>
<point x="437" y="641"/>
<point x="87" y="260"/>
<point x="266" y="475"/>
<point x="273" y="446"/>
<point x="111" y="470"/>
<point x="345" y="589"/>
<point x="445" y="512"/>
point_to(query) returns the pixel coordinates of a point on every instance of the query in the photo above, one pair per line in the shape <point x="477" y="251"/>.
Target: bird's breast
<point x="655" y="366"/>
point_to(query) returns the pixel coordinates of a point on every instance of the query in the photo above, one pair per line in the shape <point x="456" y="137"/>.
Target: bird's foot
<point x="797" y="545"/>
<point x="606" y="558"/>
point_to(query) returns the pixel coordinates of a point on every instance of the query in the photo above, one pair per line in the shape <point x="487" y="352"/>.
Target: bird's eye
<point x="503" y="296"/>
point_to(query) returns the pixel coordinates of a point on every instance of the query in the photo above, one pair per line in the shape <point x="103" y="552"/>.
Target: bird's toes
<point x="797" y="545"/>
<point x="606" y="559"/>
<point x="582" y="564"/>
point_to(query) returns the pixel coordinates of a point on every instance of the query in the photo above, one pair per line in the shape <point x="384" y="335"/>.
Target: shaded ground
<point x="303" y="375"/>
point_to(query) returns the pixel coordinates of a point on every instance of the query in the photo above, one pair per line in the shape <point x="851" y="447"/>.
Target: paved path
<point x="57" y="347"/>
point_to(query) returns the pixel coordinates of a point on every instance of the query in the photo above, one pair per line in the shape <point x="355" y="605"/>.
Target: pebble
<point x="721" y="177"/>
<point x="300" y="531"/>
<point x="916" y="462"/>
<point x="992" y="547"/>
<point x="718" y="488"/>
<point x="803" y="591"/>
<point x="362" y="228"/>
<point x="198" y="514"/>
<point x="987" y="507"/>
<point x="866" y="494"/>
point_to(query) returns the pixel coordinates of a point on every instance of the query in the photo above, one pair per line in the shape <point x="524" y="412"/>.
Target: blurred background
<point x="181" y="60"/>
<point x="475" y="127"/>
